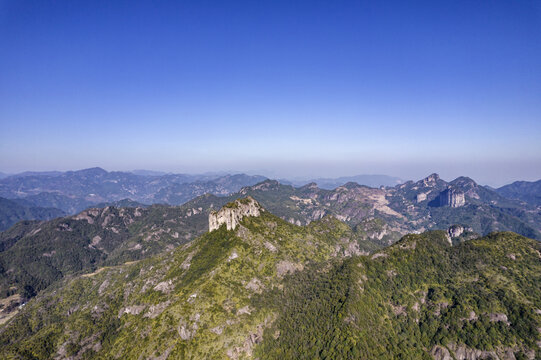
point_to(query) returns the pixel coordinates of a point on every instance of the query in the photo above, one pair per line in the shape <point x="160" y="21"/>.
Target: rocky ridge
<point x="232" y="213"/>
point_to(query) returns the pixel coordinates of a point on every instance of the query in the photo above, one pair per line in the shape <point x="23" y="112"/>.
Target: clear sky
<point x="284" y="88"/>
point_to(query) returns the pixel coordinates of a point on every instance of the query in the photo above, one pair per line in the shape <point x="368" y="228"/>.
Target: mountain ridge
<point x="270" y="289"/>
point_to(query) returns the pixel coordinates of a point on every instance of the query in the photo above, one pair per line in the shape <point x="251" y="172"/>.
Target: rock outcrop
<point x="232" y="213"/>
<point x="431" y="180"/>
<point x="451" y="197"/>
<point x="456" y="231"/>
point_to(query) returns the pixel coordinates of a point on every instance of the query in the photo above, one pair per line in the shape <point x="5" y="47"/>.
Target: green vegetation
<point x="13" y="211"/>
<point x="420" y="293"/>
<point x="272" y="290"/>
<point x="205" y="292"/>
<point x="33" y="255"/>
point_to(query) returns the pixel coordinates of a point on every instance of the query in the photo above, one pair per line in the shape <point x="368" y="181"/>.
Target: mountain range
<point x="257" y="286"/>
<point x="121" y="231"/>
<point x="384" y="215"/>
<point x="333" y="183"/>
<point x="237" y="266"/>
<point x="12" y="211"/>
<point x="74" y="191"/>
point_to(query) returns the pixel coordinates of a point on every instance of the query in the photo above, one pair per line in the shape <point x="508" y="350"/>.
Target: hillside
<point x="212" y="284"/>
<point x="35" y="254"/>
<point x="12" y="212"/>
<point x="418" y="299"/>
<point x="527" y="191"/>
<point x="271" y="289"/>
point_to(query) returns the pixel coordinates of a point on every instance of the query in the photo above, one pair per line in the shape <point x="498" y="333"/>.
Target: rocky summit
<point x="232" y="213"/>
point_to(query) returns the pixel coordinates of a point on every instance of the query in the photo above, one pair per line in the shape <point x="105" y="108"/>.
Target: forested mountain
<point x="527" y="191"/>
<point x="74" y="191"/>
<point x="35" y="254"/>
<point x="12" y="211"/>
<point x="261" y="287"/>
<point x="178" y="194"/>
<point x="68" y="204"/>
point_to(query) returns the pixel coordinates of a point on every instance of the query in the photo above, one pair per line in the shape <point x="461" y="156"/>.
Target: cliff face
<point x="452" y="198"/>
<point x="431" y="180"/>
<point x="232" y="213"/>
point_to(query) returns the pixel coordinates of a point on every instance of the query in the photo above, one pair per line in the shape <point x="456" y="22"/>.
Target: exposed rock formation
<point x="451" y="197"/>
<point x="232" y="213"/>
<point x="431" y="180"/>
<point x="455" y="230"/>
<point x="421" y="197"/>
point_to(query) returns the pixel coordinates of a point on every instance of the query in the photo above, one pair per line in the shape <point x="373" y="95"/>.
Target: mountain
<point x="178" y="194"/>
<point x="93" y="185"/>
<point x="333" y="183"/>
<point x="70" y="205"/>
<point x="384" y="215"/>
<point x="260" y="287"/>
<point x="148" y="172"/>
<point x="37" y="173"/>
<point x="375" y="217"/>
<point x="74" y="191"/>
<point x="12" y="211"/>
<point x="418" y="299"/>
<point x="367" y="180"/>
<point x="527" y="191"/>
<point x="35" y="254"/>
<point x="119" y="204"/>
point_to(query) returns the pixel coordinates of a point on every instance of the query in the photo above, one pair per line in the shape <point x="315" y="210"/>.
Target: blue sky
<point x="283" y="88"/>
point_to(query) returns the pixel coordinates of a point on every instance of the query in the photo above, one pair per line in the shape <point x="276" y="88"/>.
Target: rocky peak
<point x="431" y="180"/>
<point x="350" y="185"/>
<point x="464" y="182"/>
<point x="232" y="213"/>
